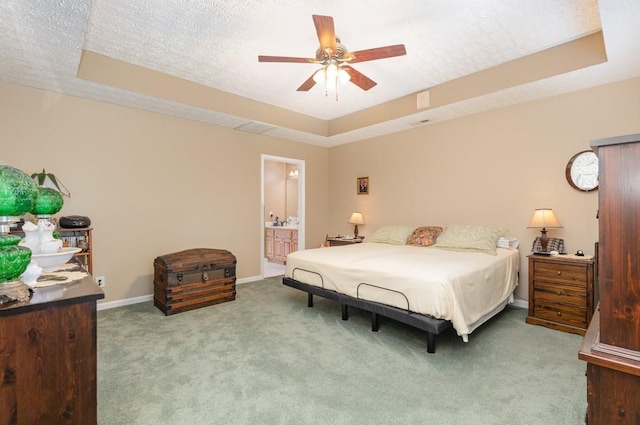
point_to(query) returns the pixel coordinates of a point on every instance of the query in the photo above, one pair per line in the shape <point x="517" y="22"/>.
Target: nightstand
<point x="561" y="292"/>
<point x="337" y="241"/>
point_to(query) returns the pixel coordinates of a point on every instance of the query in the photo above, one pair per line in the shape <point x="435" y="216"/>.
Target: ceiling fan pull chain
<point x="326" y="83"/>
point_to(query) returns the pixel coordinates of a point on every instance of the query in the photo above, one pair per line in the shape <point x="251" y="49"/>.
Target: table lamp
<point x="18" y="195"/>
<point x="356" y="218"/>
<point x="47" y="251"/>
<point x="544" y="218"/>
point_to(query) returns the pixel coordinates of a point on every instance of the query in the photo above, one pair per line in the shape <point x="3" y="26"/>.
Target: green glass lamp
<point x="18" y="195"/>
<point x="46" y="248"/>
<point x="39" y="238"/>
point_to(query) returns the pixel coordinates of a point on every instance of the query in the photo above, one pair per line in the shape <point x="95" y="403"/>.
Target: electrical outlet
<point x="100" y="281"/>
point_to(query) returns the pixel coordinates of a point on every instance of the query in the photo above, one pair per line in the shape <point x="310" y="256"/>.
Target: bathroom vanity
<point x="279" y="242"/>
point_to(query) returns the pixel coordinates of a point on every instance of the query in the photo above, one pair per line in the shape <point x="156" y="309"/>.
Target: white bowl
<point x="50" y="262"/>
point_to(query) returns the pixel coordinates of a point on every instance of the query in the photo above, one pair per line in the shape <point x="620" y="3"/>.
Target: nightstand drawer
<point x="561" y="294"/>
<point x="567" y="274"/>
<point x="560" y="313"/>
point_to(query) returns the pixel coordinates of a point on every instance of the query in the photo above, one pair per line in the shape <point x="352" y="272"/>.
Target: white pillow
<point x="508" y="242"/>
<point x="395" y="235"/>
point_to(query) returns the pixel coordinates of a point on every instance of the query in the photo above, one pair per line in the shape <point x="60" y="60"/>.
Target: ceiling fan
<point x="335" y="58"/>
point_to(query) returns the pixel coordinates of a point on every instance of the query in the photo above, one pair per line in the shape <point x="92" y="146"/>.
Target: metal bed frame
<point x="426" y="323"/>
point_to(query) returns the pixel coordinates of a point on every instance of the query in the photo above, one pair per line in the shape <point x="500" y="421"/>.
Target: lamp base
<point x="355" y="231"/>
<point x="14" y="291"/>
<point x="544" y="240"/>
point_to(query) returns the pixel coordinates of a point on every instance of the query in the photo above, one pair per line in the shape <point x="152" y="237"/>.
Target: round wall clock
<point x="582" y="171"/>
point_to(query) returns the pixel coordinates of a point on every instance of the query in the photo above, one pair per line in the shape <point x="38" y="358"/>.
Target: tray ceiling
<point x="198" y="59"/>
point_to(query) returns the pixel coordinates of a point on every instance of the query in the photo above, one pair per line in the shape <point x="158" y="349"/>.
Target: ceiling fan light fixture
<point x="343" y="76"/>
<point x="319" y="77"/>
<point x="332" y="71"/>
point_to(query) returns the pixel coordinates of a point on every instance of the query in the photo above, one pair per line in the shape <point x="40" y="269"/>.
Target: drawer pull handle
<point x="558" y="273"/>
<point x="559" y="314"/>
<point x="559" y="292"/>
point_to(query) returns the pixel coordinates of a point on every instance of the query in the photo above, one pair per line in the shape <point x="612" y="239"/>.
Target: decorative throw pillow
<point x="553" y="244"/>
<point x="424" y="236"/>
<point x="471" y="238"/>
<point x="395" y="235"/>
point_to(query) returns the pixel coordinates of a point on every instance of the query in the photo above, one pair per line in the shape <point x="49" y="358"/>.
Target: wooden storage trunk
<point x="193" y="278"/>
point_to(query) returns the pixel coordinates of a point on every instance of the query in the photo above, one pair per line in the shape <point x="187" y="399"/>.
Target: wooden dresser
<point x="561" y="292"/>
<point x="611" y="347"/>
<point x="48" y="356"/>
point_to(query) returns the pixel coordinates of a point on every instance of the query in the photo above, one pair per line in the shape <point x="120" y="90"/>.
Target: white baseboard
<point x="126" y="301"/>
<point x="520" y="304"/>
<point x="248" y="279"/>
<point x="146" y="298"/>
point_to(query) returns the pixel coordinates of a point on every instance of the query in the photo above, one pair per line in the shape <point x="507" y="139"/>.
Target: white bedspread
<point x="460" y="287"/>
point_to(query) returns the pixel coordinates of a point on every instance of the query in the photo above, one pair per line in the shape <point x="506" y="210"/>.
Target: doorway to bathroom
<point x="282" y="214"/>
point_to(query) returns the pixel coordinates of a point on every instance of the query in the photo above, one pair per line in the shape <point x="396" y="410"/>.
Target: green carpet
<point x="266" y="358"/>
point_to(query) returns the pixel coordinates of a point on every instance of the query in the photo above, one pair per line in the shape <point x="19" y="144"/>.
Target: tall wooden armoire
<point x="611" y="346"/>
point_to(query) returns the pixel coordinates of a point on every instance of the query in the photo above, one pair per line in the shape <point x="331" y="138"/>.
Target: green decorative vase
<point x="18" y="195"/>
<point x="14" y="259"/>
<point x="48" y="203"/>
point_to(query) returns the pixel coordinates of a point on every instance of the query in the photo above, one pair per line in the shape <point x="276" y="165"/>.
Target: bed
<point x="432" y="287"/>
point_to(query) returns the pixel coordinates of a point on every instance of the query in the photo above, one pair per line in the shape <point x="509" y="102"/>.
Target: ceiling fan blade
<point x="326" y="32"/>
<point x="359" y="79"/>
<point x="306" y="86"/>
<point x="284" y="59"/>
<point x="377" y="53"/>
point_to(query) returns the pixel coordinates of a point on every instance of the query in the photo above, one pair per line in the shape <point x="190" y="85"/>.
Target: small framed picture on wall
<point x="362" y="186"/>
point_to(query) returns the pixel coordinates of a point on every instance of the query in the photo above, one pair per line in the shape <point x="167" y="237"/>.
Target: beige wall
<point x="492" y="168"/>
<point x="275" y="189"/>
<point x="152" y="184"/>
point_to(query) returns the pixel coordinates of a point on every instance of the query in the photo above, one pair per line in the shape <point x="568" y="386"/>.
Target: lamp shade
<point x="18" y="193"/>
<point x="356" y="218"/>
<point x="319" y="77"/>
<point x="48" y="203"/>
<point x="343" y="76"/>
<point x="544" y="218"/>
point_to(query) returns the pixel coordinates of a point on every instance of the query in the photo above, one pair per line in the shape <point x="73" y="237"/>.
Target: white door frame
<point x="300" y="163"/>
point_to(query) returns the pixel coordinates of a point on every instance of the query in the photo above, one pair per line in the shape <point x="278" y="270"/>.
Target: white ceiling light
<point x="330" y="75"/>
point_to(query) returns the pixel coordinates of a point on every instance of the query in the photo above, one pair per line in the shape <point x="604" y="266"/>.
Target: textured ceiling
<point x="216" y="44"/>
